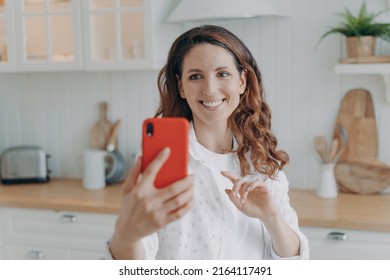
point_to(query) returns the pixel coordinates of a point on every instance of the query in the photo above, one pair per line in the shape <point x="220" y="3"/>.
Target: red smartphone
<point x="158" y="133"/>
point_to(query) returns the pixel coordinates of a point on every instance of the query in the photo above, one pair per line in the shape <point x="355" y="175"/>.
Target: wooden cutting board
<point x="100" y="132"/>
<point x="357" y="116"/>
<point x="358" y="169"/>
<point x="362" y="176"/>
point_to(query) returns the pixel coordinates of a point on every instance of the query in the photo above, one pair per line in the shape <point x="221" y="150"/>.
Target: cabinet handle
<point x="68" y="218"/>
<point x="36" y="255"/>
<point x="336" y="235"/>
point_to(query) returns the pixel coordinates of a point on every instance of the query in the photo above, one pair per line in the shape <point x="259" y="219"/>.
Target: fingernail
<point x="166" y="150"/>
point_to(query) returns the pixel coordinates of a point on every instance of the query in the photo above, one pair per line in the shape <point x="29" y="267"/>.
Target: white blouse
<point x="214" y="228"/>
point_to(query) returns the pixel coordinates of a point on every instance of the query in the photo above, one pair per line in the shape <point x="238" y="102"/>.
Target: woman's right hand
<point x="145" y="209"/>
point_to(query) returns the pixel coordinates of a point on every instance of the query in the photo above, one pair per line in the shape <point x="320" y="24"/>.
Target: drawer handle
<point x="336" y="235"/>
<point x="68" y="218"/>
<point x="36" y="255"/>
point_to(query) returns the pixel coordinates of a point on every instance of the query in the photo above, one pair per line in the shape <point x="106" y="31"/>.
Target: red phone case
<point x="167" y="132"/>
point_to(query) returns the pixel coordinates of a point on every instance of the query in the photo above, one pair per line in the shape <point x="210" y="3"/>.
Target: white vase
<point x="328" y="186"/>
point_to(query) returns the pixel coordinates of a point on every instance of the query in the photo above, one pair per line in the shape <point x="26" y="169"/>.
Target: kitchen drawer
<point x="76" y="230"/>
<point x="84" y="255"/>
<point x="20" y="252"/>
<point x="342" y="244"/>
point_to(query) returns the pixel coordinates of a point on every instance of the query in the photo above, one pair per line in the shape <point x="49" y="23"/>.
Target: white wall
<point x="57" y="110"/>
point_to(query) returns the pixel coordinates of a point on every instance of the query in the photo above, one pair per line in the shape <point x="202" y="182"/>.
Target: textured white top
<point x="240" y="228"/>
<point x="214" y="228"/>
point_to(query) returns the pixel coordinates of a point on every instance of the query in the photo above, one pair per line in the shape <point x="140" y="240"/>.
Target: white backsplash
<point x="57" y="110"/>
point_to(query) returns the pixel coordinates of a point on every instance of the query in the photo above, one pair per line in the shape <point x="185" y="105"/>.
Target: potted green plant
<point x="361" y="31"/>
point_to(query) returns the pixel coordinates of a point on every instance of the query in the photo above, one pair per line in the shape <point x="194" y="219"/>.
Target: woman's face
<point x="211" y="83"/>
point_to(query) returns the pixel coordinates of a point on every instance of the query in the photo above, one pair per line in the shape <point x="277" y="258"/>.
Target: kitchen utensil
<point x="337" y="156"/>
<point x="356" y="125"/>
<point x="24" y="164"/>
<point x="102" y="128"/>
<point x="333" y="150"/>
<point x="344" y="134"/>
<point x="114" y="159"/>
<point x="321" y="146"/>
<point x="93" y="169"/>
<point x="362" y="176"/>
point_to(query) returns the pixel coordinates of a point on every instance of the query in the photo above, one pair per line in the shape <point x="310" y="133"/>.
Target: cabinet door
<point x="48" y="35"/>
<point x="114" y="34"/>
<point x="86" y="255"/>
<point x="68" y="230"/>
<point x="127" y="34"/>
<point x="7" y="37"/>
<point x="341" y="244"/>
<point x="21" y="252"/>
<point x="1" y="234"/>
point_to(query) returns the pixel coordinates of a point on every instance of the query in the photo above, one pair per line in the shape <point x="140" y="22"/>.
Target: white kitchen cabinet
<point x="35" y="252"/>
<point x="7" y="37"/>
<point x="343" y="244"/>
<point x="1" y="235"/>
<point x="127" y="34"/>
<point x="46" y="234"/>
<point x="71" y="35"/>
<point x="48" y="35"/>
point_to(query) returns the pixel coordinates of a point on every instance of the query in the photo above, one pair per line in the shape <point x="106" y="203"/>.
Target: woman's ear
<point x="180" y="87"/>
<point x="243" y="77"/>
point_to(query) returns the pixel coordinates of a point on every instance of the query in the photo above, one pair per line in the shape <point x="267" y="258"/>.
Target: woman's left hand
<point x="251" y="197"/>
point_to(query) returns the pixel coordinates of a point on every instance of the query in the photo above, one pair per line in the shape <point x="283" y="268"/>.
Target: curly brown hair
<point x="251" y="120"/>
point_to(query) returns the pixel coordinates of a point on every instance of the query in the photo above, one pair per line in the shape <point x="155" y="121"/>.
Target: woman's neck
<point x="217" y="138"/>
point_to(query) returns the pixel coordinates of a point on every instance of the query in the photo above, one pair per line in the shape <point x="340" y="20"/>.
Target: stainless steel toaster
<point x="24" y="164"/>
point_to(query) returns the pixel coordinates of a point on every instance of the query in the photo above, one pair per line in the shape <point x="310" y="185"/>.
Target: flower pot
<point x="361" y="46"/>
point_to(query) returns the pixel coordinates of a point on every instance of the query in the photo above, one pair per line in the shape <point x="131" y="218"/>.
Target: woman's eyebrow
<point x="194" y="70"/>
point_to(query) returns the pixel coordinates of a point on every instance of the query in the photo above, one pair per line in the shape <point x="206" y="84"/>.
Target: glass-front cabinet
<point x="66" y="35"/>
<point x="127" y="34"/>
<point x="116" y="29"/>
<point x="49" y="36"/>
<point x="115" y="34"/>
<point x="7" y="39"/>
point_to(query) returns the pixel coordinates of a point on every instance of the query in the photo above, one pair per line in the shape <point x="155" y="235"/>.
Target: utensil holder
<point x="328" y="186"/>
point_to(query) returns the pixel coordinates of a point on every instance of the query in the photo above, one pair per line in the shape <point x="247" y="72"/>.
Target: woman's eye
<point x="195" y="77"/>
<point x="224" y="74"/>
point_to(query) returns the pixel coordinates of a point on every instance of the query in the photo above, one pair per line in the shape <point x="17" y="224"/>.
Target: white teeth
<point x="212" y="104"/>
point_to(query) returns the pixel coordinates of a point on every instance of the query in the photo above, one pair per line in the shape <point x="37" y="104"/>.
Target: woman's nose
<point x="209" y="87"/>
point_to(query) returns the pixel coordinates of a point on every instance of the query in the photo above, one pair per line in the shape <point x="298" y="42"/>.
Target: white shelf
<point x="382" y="69"/>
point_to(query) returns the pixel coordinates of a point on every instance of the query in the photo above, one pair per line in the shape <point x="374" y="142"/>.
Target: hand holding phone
<point x="158" y="133"/>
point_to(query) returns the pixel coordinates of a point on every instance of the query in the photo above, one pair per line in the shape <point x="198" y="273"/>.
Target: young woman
<point x="235" y="204"/>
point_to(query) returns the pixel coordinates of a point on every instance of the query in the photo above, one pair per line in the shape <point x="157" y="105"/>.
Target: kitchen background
<point x="57" y="109"/>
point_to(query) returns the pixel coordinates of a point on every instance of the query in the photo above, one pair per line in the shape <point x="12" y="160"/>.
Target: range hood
<point x="197" y="10"/>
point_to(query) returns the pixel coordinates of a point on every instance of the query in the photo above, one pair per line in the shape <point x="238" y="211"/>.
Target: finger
<point x="177" y="214"/>
<point x="237" y="186"/>
<point x="161" y="196"/>
<point x="233" y="198"/>
<point x="150" y="173"/>
<point x="230" y="176"/>
<point x="246" y="188"/>
<point x="237" y="182"/>
<point x="176" y="188"/>
<point x="251" y="186"/>
<point x="179" y="201"/>
<point x="132" y="178"/>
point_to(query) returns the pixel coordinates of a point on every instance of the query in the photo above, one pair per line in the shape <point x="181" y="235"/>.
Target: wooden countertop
<point x="61" y="194"/>
<point x="349" y="211"/>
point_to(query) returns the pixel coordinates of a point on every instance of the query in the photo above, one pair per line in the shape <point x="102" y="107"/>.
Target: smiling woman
<point x="234" y="205"/>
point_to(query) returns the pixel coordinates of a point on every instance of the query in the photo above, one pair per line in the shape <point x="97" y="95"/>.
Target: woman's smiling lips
<point x="212" y="104"/>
